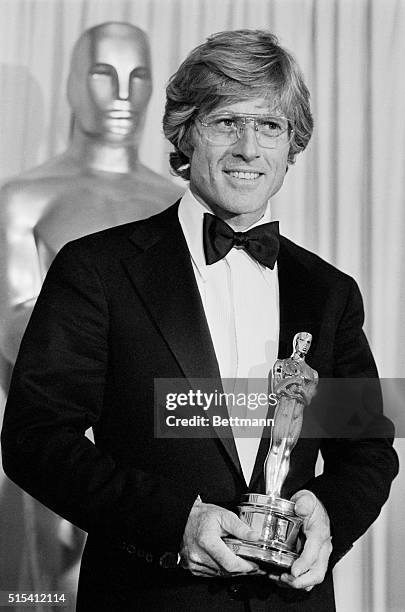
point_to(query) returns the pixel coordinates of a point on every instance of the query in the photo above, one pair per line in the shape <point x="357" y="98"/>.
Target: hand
<point x="310" y="567"/>
<point x="204" y="553"/>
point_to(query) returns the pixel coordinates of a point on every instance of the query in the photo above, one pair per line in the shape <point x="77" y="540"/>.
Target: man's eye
<point x="225" y="123"/>
<point x="271" y="126"/>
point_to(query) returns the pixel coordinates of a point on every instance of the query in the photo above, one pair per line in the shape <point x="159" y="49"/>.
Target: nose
<point x="247" y="146"/>
<point x="123" y="87"/>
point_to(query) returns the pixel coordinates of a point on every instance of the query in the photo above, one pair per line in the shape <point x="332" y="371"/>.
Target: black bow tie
<point x="261" y="242"/>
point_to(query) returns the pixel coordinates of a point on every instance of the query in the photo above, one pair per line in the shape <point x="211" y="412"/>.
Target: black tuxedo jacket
<point x="118" y="309"/>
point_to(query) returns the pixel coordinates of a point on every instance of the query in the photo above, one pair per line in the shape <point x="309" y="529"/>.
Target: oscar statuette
<point x="294" y="383"/>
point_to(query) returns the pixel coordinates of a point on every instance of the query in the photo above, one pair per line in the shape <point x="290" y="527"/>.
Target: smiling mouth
<point x="247" y="176"/>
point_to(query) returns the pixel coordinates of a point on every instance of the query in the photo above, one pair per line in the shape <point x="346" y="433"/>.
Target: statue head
<point x="302" y="342"/>
<point x="110" y="84"/>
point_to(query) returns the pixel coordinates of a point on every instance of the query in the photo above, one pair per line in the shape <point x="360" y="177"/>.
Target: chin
<point x="244" y="207"/>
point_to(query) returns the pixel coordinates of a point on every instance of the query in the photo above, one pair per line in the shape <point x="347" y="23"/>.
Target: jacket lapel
<point x="162" y="274"/>
<point x="300" y="304"/>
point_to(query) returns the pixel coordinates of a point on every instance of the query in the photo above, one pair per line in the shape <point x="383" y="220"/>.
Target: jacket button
<point x="130" y="548"/>
<point x="235" y="591"/>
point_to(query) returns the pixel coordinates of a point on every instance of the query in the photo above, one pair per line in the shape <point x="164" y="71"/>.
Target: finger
<point x="194" y="559"/>
<point x="223" y="556"/>
<point x="276" y="578"/>
<point x="307" y="581"/>
<point x="200" y="569"/>
<point x="313" y="576"/>
<point x="286" y="585"/>
<point x="204" y="566"/>
<point x="204" y="572"/>
<point x="205" y="562"/>
<point x="253" y="572"/>
<point x="317" y="538"/>
<point x="309" y="555"/>
<point x="305" y="503"/>
<point x="231" y="524"/>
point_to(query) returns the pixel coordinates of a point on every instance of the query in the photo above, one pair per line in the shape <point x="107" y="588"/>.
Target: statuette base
<point x="274" y="518"/>
<point x="261" y="554"/>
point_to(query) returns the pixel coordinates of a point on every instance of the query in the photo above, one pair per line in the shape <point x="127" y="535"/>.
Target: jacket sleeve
<point x="359" y="461"/>
<point x="56" y="394"/>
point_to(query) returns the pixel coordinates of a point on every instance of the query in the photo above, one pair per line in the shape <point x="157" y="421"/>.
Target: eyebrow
<point x="236" y="114"/>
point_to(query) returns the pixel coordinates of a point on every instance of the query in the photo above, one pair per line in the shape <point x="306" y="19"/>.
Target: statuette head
<point x="302" y="342"/>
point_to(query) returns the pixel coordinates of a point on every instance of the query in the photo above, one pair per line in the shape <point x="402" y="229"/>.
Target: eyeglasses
<point x="227" y="128"/>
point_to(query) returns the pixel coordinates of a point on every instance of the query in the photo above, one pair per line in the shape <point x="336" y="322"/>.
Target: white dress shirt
<point x="240" y="300"/>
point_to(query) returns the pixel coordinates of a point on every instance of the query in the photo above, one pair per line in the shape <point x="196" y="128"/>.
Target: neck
<point x="298" y="356"/>
<point x="240" y="223"/>
<point x="100" y="156"/>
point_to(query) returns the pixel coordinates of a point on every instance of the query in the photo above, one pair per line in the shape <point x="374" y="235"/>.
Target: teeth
<point x="244" y="175"/>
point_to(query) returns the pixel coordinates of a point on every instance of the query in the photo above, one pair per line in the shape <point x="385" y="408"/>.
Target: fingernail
<point x="286" y="578"/>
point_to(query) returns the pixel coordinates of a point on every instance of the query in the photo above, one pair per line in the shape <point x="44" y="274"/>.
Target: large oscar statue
<point x="97" y="182"/>
<point x="294" y="383"/>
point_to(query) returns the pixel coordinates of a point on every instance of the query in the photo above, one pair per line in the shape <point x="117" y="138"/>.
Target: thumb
<point x="234" y="526"/>
<point x="305" y="503"/>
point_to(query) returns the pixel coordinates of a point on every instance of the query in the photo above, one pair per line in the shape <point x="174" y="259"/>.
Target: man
<point x="153" y="300"/>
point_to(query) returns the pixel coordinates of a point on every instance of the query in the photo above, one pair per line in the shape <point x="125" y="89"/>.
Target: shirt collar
<point x="191" y="216"/>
